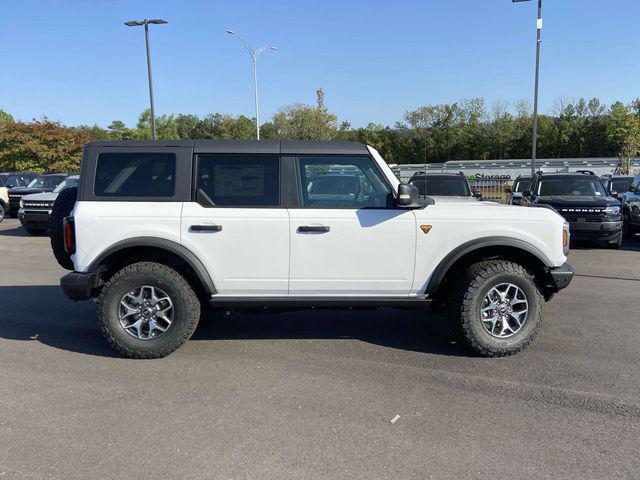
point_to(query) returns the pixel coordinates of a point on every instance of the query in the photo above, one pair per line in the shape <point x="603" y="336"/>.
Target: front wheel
<point x="2" y="213"/>
<point x="497" y="308"/>
<point x="147" y="310"/>
<point x="615" y="244"/>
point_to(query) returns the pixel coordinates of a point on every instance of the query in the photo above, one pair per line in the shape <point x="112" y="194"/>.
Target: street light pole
<point x="254" y="61"/>
<point x="534" y="145"/>
<point x="145" y="22"/>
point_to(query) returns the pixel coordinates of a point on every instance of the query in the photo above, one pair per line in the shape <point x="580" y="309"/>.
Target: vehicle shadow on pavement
<point x="42" y="314"/>
<point x="15" y="232"/>
<point x="414" y="330"/>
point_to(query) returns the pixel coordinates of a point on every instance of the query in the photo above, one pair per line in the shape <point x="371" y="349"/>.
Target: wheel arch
<point x="508" y="248"/>
<point x="161" y="250"/>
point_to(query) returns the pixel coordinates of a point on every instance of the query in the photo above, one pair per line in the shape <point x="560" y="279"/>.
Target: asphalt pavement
<point x="312" y="395"/>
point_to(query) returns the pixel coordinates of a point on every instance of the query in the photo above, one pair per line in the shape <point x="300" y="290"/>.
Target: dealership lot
<point x="312" y="394"/>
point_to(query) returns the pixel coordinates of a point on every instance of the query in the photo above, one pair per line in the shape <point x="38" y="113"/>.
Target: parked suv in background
<point x="156" y="229"/>
<point x="42" y="183"/>
<point x="35" y="209"/>
<point x="514" y="193"/>
<point x="631" y="207"/>
<point x="443" y="185"/>
<point x="16" y="179"/>
<point x="616" y="184"/>
<point x="582" y="199"/>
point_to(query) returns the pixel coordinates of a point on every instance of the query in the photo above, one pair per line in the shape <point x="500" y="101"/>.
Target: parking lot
<point x="312" y="394"/>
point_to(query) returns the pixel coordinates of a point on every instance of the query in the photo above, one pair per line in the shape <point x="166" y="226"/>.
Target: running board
<point x="313" y="302"/>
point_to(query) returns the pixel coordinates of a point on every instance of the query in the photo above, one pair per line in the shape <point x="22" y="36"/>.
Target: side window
<point x="136" y="174"/>
<point x="342" y="182"/>
<point x="240" y="180"/>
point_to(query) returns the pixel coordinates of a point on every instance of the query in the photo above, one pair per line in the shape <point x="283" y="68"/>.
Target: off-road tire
<point x="615" y="244"/>
<point x="467" y="296"/>
<point x="627" y="229"/>
<point x="61" y="208"/>
<point x="185" y="316"/>
<point x="3" y="212"/>
<point x="35" y="231"/>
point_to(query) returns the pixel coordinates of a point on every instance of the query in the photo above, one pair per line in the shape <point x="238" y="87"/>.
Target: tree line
<point x="465" y="130"/>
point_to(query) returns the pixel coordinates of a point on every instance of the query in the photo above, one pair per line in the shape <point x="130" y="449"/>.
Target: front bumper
<point x="78" y="285"/>
<point x="595" y="230"/>
<point x="34" y="218"/>
<point x="559" y="277"/>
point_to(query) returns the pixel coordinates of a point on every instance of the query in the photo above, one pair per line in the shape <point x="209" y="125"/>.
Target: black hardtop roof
<point x="566" y="175"/>
<point x="438" y="174"/>
<point x="285" y="147"/>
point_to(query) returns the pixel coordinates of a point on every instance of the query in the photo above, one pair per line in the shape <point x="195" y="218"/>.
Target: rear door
<point x="237" y="226"/>
<point x="347" y="237"/>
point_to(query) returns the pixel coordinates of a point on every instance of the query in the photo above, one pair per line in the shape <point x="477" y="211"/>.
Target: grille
<point x="32" y="205"/>
<point x="589" y="214"/>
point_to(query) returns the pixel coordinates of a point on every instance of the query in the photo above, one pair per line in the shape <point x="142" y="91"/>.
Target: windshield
<point x="16" y="181"/>
<point x="521" y="185"/>
<point x="621" y="184"/>
<point x="583" y="186"/>
<point x="45" y="182"/>
<point x="447" y="187"/>
<point x="68" y="183"/>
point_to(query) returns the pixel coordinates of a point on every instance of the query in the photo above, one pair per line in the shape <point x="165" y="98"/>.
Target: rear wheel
<point x="147" y="310"/>
<point x="496" y="307"/>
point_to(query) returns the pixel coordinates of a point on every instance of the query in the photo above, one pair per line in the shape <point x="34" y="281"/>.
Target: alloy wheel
<point x="504" y="310"/>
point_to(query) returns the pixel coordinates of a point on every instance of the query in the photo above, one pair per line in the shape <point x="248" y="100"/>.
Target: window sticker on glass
<point x="239" y="180"/>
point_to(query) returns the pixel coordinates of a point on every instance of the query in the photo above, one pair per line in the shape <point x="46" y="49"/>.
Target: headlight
<point x="612" y="210"/>
<point x="21" y="203"/>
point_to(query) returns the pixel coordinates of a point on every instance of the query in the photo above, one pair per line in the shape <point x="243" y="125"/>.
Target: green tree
<point x="186" y="126"/>
<point x="117" y="130"/>
<point x="305" y="122"/>
<point x="166" y="127"/>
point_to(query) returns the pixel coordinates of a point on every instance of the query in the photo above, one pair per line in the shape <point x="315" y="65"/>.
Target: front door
<point x="237" y="225"/>
<point x="347" y="238"/>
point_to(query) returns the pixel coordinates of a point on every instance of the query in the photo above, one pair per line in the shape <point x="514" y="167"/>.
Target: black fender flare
<point x="173" y="247"/>
<point x="457" y="253"/>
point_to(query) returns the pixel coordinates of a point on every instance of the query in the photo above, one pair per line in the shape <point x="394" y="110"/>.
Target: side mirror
<point x="407" y="195"/>
<point x="476" y="193"/>
<point x="613" y="193"/>
<point x="527" y="194"/>
<point x="508" y="190"/>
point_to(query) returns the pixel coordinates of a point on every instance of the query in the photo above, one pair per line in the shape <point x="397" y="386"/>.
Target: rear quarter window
<point x="240" y="180"/>
<point x="136" y="174"/>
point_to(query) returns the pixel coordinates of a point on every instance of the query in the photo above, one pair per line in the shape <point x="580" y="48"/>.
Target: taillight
<point x="69" y="235"/>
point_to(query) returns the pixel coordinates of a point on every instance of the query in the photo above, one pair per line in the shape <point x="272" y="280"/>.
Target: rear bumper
<point x="559" y="277"/>
<point x="78" y="285"/>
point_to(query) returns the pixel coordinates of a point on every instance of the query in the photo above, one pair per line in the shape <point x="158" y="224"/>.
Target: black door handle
<point x="205" y="228"/>
<point x="313" y="228"/>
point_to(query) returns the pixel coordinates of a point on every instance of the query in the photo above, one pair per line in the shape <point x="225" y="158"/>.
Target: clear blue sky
<point x="74" y="61"/>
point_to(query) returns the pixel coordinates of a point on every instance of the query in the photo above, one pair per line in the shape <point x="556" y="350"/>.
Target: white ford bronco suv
<point x="156" y="229"/>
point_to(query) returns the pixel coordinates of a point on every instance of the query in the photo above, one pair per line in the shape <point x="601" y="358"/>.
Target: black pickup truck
<point x="581" y="198"/>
